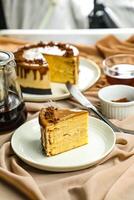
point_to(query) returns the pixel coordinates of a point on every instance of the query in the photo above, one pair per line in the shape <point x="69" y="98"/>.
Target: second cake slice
<point x="62" y="129"/>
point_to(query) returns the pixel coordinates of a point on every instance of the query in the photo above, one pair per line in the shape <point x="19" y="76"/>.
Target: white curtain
<point x="63" y="14"/>
<point x="47" y="14"/>
<point x="122" y="11"/>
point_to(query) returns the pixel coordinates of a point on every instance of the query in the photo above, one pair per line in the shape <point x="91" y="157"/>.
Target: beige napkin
<point x="11" y="44"/>
<point x="111" y="45"/>
<point x="111" y="179"/>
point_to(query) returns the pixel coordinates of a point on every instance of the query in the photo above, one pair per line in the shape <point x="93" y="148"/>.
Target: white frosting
<point x="34" y="53"/>
<point x="37" y="53"/>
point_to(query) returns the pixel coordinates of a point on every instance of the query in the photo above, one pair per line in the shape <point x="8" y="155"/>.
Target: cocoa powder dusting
<point x="69" y="52"/>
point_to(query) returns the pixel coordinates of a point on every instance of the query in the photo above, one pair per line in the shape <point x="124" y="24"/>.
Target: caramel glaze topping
<point x="23" y="71"/>
<point x="62" y="46"/>
<point x="24" y="66"/>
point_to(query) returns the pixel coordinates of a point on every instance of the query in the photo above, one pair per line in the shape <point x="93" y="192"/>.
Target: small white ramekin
<point x="116" y="110"/>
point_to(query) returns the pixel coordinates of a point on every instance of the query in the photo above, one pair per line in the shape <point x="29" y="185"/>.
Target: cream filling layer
<point x="35" y="83"/>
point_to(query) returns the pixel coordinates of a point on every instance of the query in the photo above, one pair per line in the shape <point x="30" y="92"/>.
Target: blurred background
<point x="66" y="14"/>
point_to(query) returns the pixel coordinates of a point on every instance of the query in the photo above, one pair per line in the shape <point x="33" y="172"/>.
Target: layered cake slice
<point x="62" y="129"/>
<point x="63" y="60"/>
<point x="42" y="63"/>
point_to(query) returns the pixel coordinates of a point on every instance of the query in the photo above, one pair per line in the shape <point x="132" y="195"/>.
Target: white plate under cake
<point x="89" y="73"/>
<point x="26" y="144"/>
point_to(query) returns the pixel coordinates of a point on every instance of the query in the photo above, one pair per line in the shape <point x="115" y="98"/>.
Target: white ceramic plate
<point x="88" y="75"/>
<point x="27" y="145"/>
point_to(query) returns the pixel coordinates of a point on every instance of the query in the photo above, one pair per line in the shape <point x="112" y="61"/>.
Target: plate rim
<point x="63" y="168"/>
<point x="31" y="97"/>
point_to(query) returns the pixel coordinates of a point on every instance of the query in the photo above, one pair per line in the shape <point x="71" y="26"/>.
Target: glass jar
<point x="119" y="69"/>
<point x="12" y="107"/>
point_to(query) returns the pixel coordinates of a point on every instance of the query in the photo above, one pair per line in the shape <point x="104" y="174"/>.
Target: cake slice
<point x="63" y="60"/>
<point x="62" y="129"/>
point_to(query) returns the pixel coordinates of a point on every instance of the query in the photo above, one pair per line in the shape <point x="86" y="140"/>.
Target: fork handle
<point x="115" y="128"/>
